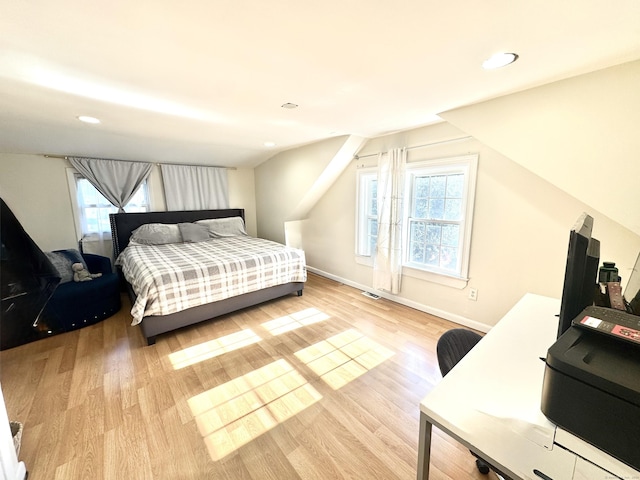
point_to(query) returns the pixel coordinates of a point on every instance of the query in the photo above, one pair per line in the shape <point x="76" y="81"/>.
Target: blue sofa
<point x="78" y="304"/>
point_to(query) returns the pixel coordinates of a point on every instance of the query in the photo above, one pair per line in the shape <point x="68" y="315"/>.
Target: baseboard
<point x="452" y="317"/>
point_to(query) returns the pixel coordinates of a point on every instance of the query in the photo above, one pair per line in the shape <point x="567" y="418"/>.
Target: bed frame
<point x="122" y="224"/>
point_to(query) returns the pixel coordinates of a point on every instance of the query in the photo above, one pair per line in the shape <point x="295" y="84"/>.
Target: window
<point x="94" y="209"/>
<point x="438" y="213"/>
<point x="367" y="212"/>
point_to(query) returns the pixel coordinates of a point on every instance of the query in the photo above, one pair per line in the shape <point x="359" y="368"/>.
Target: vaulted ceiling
<point x="205" y="81"/>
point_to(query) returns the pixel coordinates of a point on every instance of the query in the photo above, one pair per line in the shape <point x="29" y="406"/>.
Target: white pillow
<point x="224" y="227"/>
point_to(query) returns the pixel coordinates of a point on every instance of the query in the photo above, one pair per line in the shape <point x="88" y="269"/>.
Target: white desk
<point x="490" y="402"/>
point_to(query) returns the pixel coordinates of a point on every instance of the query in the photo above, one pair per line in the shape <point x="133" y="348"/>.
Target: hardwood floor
<point x="323" y="386"/>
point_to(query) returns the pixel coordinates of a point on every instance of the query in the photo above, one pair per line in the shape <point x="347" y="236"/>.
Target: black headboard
<point x="122" y="224"/>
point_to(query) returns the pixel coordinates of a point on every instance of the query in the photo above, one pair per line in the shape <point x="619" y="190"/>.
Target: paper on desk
<point x="540" y="434"/>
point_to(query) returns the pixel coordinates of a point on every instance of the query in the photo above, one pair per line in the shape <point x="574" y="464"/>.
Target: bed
<point x="266" y="270"/>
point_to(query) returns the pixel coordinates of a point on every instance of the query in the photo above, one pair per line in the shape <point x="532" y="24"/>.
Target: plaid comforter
<point x="173" y="277"/>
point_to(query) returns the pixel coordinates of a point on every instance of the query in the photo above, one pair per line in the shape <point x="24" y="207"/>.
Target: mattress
<point x="174" y="277"/>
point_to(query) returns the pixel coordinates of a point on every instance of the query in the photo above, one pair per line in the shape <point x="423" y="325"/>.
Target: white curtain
<point x="116" y="180"/>
<point x="387" y="265"/>
<point x="188" y="187"/>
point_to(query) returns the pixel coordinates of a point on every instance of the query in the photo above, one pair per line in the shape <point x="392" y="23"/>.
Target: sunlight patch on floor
<point x="294" y="321"/>
<point x="234" y="413"/>
<point x="344" y="357"/>
<point x="213" y="348"/>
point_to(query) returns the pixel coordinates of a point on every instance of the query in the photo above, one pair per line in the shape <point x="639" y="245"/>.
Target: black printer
<point x="591" y="382"/>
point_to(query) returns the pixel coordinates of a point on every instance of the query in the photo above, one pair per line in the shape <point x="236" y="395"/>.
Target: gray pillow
<point x="193" y="233"/>
<point x="62" y="260"/>
<point x="224" y="227"/>
<point x="156" y="234"/>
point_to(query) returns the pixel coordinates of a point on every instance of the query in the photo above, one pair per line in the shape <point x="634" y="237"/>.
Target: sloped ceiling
<point x="335" y="167"/>
<point x="204" y="81"/>
<point x="581" y="134"/>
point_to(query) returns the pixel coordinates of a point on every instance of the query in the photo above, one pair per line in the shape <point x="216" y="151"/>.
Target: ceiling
<point x="204" y="81"/>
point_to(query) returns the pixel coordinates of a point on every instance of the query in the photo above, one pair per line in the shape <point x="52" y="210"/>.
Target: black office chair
<point x="452" y="346"/>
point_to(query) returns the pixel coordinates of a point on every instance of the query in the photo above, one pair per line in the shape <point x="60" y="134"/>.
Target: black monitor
<point x="580" y="277"/>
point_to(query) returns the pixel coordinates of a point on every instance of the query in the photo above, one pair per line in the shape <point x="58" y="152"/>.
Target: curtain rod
<point x="196" y="165"/>
<point x="459" y="139"/>
<point x="66" y="157"/>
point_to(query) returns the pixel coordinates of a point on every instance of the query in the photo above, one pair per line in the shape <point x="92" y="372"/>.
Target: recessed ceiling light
<point x="289" y="105"/>
<point x="499" y="60"/>
<point x="86" y="119"/>
<point x="269" y="144"/>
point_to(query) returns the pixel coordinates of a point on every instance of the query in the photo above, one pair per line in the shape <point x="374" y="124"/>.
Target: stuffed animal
<point x="81" y="274"/>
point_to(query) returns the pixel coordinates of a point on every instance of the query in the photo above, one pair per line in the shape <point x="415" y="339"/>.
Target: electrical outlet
<point x="473" y="294"/>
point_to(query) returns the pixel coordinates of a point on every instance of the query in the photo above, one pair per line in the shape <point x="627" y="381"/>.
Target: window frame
<point x="364" y="176"/>
<point x="468" y="165"/>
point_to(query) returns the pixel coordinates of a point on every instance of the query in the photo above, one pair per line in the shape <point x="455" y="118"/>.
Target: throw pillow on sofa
<point x="62" y="261"/>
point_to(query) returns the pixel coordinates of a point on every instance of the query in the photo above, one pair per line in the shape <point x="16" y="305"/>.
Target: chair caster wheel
<point x="482" y="467"/>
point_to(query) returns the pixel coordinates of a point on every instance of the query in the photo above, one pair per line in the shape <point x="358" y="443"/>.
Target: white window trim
<point x="444" y="165"/>
<point x="361" y="227"/>
<point x="73" y="198"/>
<point x="439" y="277"/>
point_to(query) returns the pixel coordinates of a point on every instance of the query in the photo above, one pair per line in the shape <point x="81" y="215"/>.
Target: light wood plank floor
<point x="323" y="386"/>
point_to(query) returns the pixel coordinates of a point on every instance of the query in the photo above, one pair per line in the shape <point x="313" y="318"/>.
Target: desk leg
<point x="424" y="448"/>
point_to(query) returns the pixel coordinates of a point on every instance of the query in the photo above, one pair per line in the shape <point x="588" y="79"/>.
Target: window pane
<point x="91" y="218"/>
<point x="90" y="195"/>
<point x="433" y="234"/>
<point x="95" y="208"/>
<point x="421" y="187"/>
<point x="450" y="235"/>
<point x="449" y="258"/>
<point x="453" y="209"/>
<point x="420" y="208"/>
<point x="436" y="208"/>
<point x="438" y="197"/>
<point x="373" y="236"/>
<point x="372" y="246"/>
<point x="138" y="200"/>
<point x="438" y="186"/>
<point x="417" y="241"/>
<point x="437" y="203"/>
<point x="373" y="227"/>
<point x="434" y="244"/>
<point x="455" y="185"/>
<point x="373" y="203"/>
<point x="417" y="253"/>
<point x="367" y="213"/>
<point x="433" y="256"/>
<point x="418" y="232"/>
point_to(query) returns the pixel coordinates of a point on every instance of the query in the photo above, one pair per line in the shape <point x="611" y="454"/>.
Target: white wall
<point x="580" y="134"/>
<point x="520" y="236"/>
<point x="242" y="194"/>
<point x="282" y="182"/>
<point x="577" y="134"/>
<point x="37" y="191"/>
